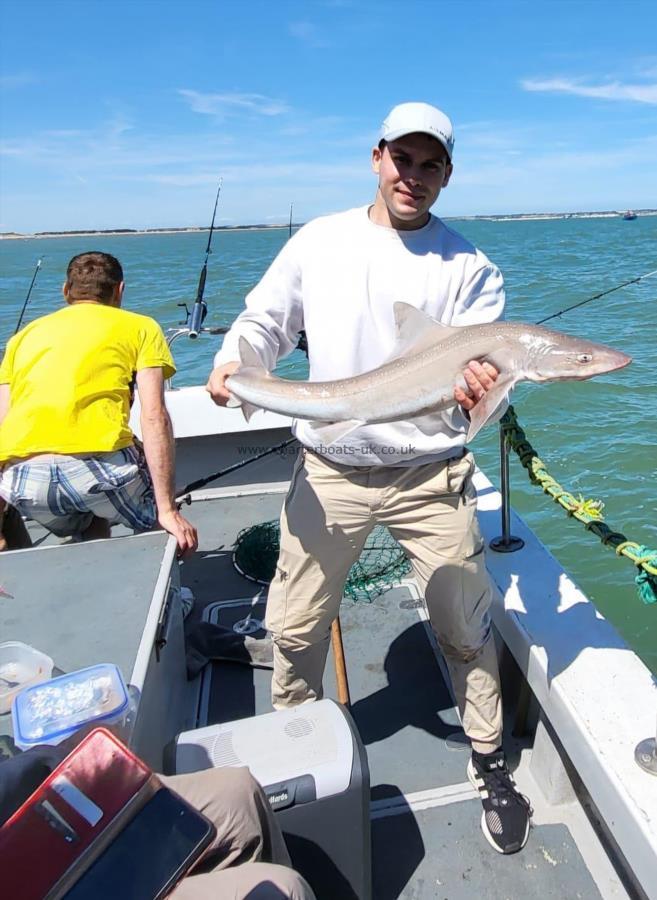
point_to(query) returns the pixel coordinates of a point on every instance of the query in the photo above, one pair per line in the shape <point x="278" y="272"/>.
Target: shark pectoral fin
<point x="488" y="406"/>
<point x="330" y="432"/>
<point x="247" y="408"/>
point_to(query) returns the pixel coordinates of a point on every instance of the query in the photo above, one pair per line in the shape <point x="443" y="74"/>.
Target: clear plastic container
<point x="20" y="667"/>
<point x="49" y="713"/>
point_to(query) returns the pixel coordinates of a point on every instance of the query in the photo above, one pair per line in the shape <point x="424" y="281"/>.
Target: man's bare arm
<point x="159" y="448"/>
<point x="4" y="409"/>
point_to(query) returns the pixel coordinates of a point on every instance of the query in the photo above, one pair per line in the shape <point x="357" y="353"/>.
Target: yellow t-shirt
<point x="71" y="376"/>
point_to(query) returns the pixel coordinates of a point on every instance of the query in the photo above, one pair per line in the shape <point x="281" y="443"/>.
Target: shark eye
<point x="584" y="357"/>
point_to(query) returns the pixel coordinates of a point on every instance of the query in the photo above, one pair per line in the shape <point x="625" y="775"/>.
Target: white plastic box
<point x="20" y="667"/>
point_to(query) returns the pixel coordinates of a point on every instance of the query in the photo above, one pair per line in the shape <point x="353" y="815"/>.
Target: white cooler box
<point x="313" y="767"/>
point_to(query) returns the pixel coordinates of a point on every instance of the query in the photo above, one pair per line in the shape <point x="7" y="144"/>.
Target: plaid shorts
<point x="64" y="493"/>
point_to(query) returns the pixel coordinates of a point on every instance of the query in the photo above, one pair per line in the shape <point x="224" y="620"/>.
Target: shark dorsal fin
<point x="416" y="330"/>
<point x="249" y="359"/>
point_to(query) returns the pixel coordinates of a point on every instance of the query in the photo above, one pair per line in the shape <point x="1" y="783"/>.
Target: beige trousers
<point x="431" y="510"/>
<point x="248" y="857"/>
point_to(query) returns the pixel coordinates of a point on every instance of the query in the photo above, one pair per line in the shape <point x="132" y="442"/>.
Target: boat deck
<point x="426" y="835"/>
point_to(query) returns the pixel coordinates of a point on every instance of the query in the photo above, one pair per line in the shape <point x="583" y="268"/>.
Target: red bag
<point x="72" y="817"/>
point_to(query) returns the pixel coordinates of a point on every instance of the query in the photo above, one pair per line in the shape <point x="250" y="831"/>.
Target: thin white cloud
<point x="118" y="126"/>
<point x="231" y="103"/>
<point x="307" y="124"/>
<point x="64" y="133"/>
<point x="308" y="33"/>
<point x="18" y="79"/>
<point x="295" y="172"/>
<point x="614" y="90"/>
<point x="550" y="166"/>
<point x="646" y="67"/>
<point x="61" y="146"/>
<point x="115" y="152"/>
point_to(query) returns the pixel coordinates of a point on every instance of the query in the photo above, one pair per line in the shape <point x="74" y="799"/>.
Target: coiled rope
<point x="589" y="512"/>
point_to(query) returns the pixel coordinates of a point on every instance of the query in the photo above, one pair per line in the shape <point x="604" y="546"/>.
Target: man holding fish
<point x="341" y="278"/>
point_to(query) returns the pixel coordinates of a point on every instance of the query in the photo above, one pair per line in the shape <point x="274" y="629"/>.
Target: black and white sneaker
<point x="507" y="813"/>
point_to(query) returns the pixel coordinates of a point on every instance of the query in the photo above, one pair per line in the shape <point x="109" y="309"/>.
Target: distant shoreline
<point x="123" y="232"/>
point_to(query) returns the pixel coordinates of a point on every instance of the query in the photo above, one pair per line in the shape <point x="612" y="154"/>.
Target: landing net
<point x="381" y="564"/>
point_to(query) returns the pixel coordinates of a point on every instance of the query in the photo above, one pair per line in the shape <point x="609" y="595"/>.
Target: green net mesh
<point x="381" y="564"/>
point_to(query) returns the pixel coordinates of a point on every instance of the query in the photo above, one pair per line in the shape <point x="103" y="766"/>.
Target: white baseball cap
<point x="409" y="118"/>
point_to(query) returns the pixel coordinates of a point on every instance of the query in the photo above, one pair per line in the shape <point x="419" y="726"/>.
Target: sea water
<point x="597" y="438"/>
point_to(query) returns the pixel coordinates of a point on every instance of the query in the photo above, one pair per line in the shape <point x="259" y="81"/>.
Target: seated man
<point x="13" y="533"/>
<point x="68" y="458"/>
<point x="247" y="860"/>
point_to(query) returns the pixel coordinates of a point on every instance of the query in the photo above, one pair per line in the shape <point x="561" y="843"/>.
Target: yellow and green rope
<point x="589" y="512"/>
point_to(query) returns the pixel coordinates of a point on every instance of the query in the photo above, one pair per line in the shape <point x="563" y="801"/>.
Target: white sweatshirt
<point x="338" y="278"/>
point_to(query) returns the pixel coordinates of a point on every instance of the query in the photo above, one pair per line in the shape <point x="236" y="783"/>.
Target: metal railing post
<point x="174" y="333"/>
<point x="507" y="543"/>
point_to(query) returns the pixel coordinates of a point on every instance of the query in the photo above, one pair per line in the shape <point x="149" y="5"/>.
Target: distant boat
<point x="629" y="214"/>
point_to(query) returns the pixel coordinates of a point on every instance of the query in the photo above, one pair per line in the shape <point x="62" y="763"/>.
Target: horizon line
<point x="174" y="229"/>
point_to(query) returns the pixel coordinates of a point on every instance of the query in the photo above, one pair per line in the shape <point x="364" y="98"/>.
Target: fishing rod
<point x="27" y="299"/>
<point x="183" y="496"/>
<point x="596" y="297"/>
<point x="202" y="482"/>
<point x="200" y="308"/>
<point x="302" y="343"/>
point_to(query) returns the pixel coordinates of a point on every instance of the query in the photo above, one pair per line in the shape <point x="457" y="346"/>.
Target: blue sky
<point x="124" y="114"/>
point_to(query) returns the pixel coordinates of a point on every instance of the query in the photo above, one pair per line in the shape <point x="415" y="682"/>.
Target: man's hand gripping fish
<point x="419" y="379"/>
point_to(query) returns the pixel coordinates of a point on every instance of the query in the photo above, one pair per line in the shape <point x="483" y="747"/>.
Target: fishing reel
<point x="186" y="308"/>
<point x="194" y="319"/>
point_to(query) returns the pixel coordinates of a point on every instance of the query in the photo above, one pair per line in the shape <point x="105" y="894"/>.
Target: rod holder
<point x="174" y="333"/>
<point x="645" y="755"/>
<point x="507" y="542"/>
